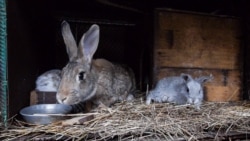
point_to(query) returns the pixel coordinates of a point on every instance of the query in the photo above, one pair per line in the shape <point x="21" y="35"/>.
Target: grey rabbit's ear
<point x="204" y="79"/>
<point x="69" y="41"/>
<point x="89" y="43"/>
<point x="186" y="77"/>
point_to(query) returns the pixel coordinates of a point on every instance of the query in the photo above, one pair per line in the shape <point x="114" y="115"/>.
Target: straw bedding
<point x="138" y="121"/>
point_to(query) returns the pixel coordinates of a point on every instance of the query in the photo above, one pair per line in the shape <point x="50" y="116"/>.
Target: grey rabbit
<point x="181" y="89"/>
<point x="48" y="81"/>
<point x="87" y="79"/>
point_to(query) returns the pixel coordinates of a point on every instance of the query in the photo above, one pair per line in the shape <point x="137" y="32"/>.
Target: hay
<point x="137" y="121"/>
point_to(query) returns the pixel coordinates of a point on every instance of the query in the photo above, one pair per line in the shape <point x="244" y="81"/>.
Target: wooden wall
<point x="200" y="44"/>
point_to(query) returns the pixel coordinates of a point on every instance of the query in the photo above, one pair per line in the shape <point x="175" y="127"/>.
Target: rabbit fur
<point x="84" y="78"/>
<point x="48" y="81"/>
<point x="181" y="89"/>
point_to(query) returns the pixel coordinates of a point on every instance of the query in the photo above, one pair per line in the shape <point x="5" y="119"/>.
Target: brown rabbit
<point x="85" y="79"/>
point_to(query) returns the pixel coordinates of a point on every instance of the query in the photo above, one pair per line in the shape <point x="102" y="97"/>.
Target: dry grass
<point x="137" y="121"/>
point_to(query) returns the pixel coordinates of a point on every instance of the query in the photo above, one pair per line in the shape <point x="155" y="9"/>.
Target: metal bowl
<point x="45" y="113"/>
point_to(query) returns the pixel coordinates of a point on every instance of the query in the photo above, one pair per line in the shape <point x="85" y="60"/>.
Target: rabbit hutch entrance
<point x="181" y="42"/>
<point x="35" y="35"/>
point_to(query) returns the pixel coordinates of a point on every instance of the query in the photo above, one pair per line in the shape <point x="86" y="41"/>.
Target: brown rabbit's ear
<point x="69" y="41"/>
<point x="89" y="43"/>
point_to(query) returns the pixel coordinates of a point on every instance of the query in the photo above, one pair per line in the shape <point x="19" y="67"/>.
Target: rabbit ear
<point x="89" y="43"/>
<point x="186" y="77"/>
<point x="204" y="79"/>
<point x="69" y="41"/>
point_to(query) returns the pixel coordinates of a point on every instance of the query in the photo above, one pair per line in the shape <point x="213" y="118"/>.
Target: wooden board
<point x="37" y="97"/>
<point x="197" y="41"/>
<point x="200" y="44"/>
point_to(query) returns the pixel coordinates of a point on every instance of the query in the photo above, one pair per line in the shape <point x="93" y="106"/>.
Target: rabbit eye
<point x="188" y="90"/>
<point x="81" y="76"/>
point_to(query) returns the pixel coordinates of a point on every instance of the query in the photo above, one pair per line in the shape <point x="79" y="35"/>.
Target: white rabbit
<point x="181" y="89"/>
<point x="86" y="79"/>
<point x="48" y="81"/>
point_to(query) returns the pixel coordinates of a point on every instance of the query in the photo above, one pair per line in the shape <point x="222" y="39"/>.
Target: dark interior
<point x="35" y="44"/>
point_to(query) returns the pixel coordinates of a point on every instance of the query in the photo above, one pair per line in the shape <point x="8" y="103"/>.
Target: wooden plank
<point x="223" y="93"/>
<point x="46" y="97"/>
<point x="197" y="41"/>
<point x="220" y="58"/>
<point x="33" y="97"/>
<point x="37" y="97"/>
<point x="226" y="85"/>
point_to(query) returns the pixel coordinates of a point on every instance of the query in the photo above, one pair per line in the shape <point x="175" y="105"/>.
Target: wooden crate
<point x="199" y="44"/>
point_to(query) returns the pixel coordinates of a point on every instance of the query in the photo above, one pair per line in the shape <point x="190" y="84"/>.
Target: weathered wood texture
<point x="37" y="97"/>
<point x="200" y="45"/>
